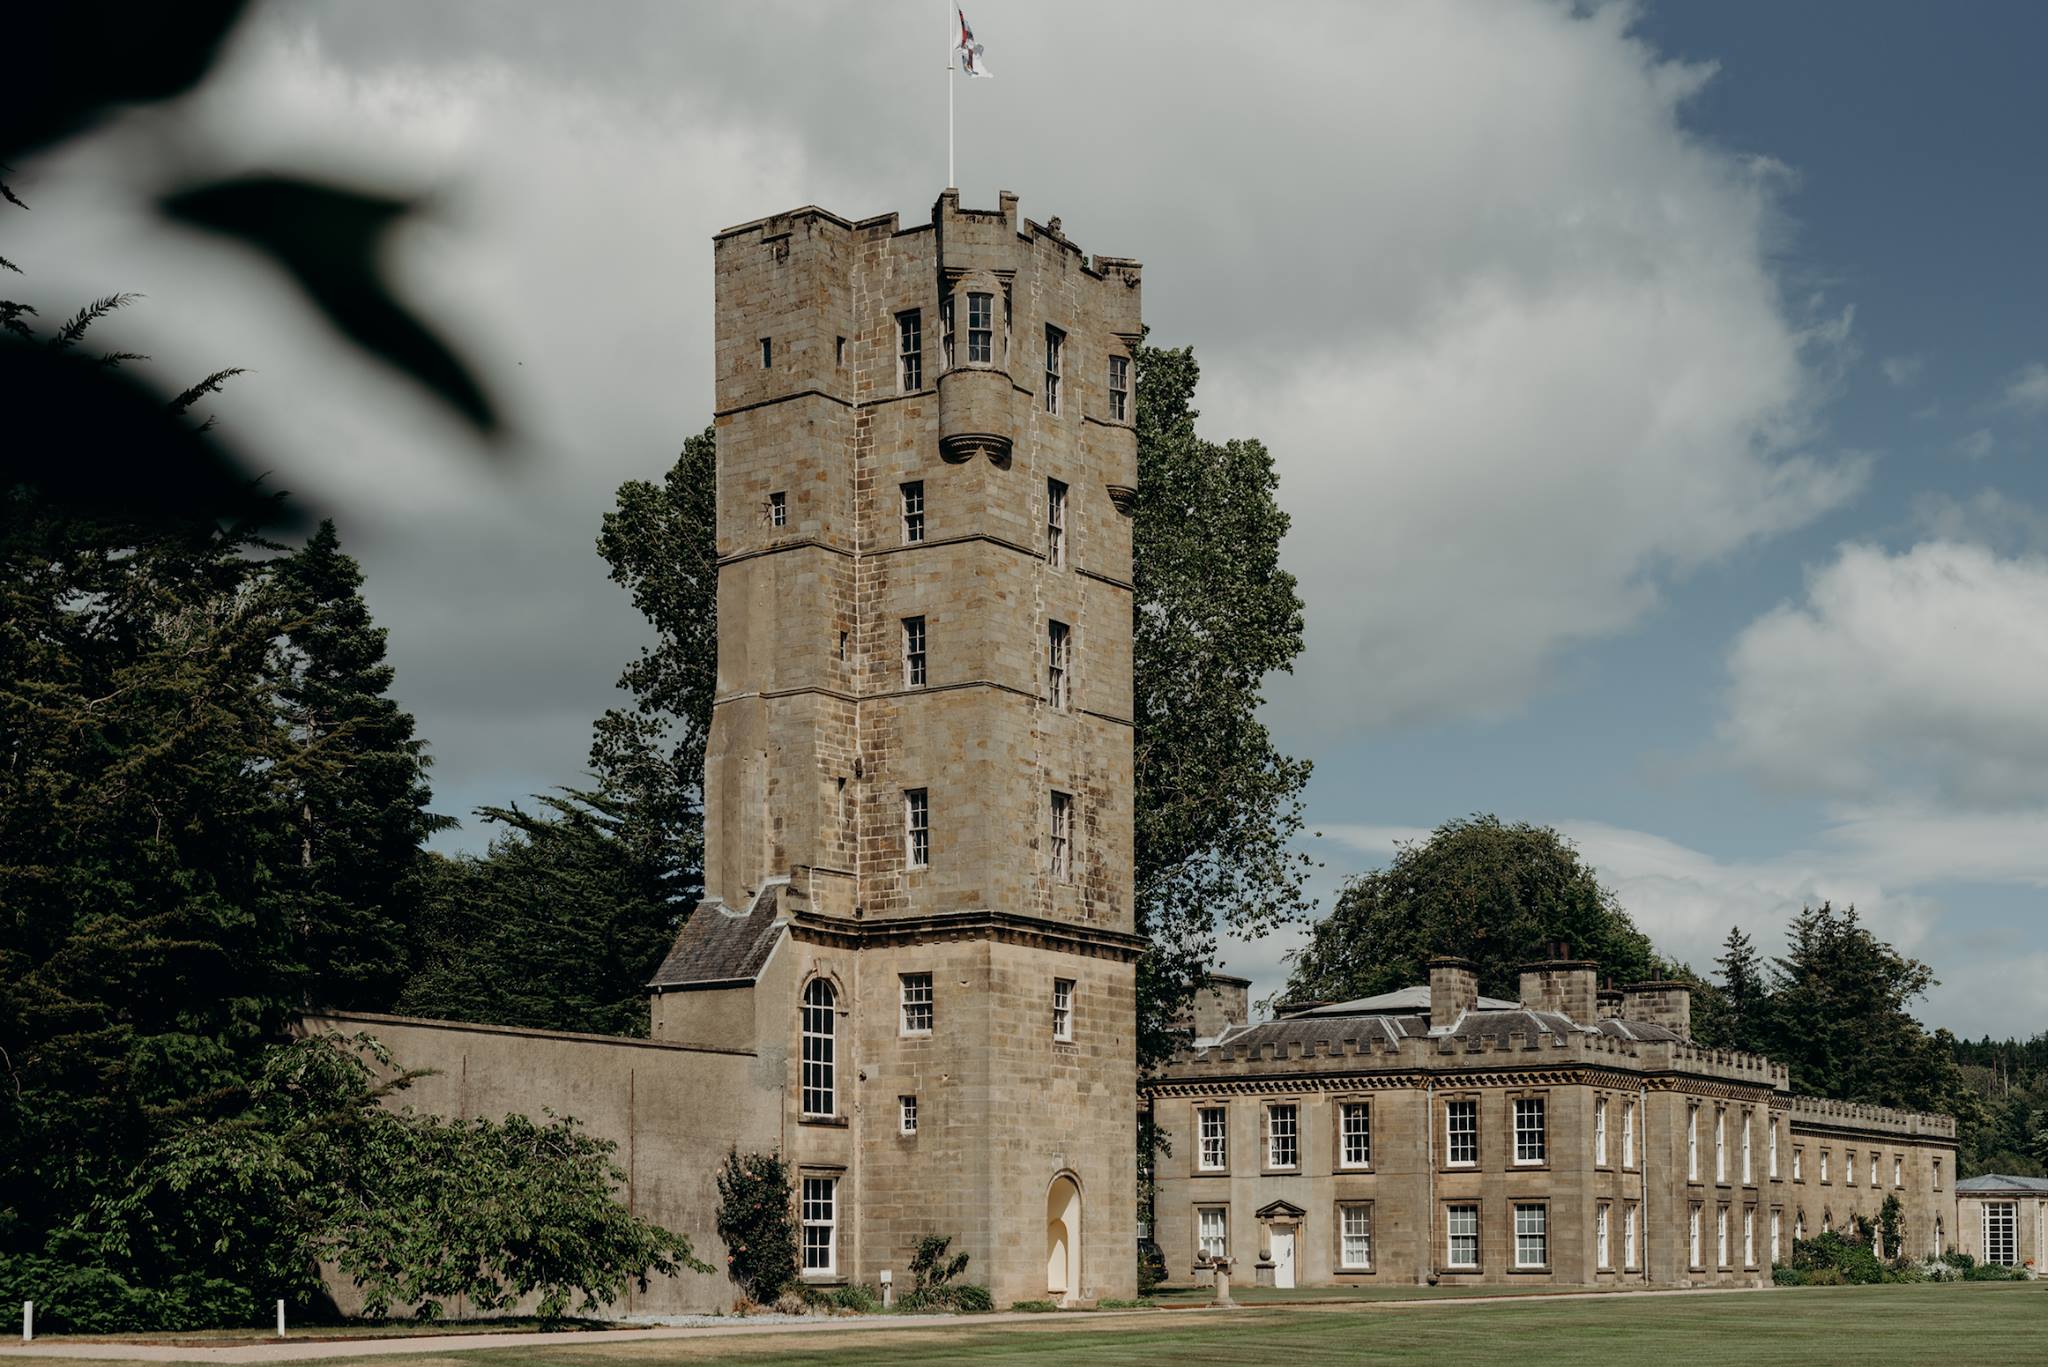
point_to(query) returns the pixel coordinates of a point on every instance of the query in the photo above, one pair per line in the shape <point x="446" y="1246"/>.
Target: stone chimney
<point x="1608" y="1000"/>
<point x="1667" y="1004"/>
<point x="1221" y="1002"/>
<point x="1453" y="989"/>
<point x="1566" y="986"/>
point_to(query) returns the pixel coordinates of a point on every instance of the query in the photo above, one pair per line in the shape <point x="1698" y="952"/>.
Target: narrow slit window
<point x="1055" y="344"/>
<point x="1056" y="642"/>
<point x="910" y="351"/>
<point x="839" y="351"/>
<point x="946" y="333"/>
<point x="1062" y="854"/>
<point x="1063" y="1009"/>
<point x="1119" y="389"/>
<point x="913" y="652"/>
<point x="917" y="823"/>
<point x="913" y="512"/>
<point x="767" y="352"/>
<point x="1055" y="523"/>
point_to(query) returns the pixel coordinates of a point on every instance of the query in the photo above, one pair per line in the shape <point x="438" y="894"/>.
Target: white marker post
<point x="280" y="1317"/>
<point x="28" y="1321"/>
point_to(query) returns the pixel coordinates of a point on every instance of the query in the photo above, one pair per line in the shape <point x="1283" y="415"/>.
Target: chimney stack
<point x="1565" y="986"/>
<point x="1453" y="990"/>
<point x="1668" y="1004"/>
<point x="1221" y="1002"/>
<point x="1608" y="1000"/>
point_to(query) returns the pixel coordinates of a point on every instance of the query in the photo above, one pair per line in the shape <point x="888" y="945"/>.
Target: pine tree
<point x="1745" y="994"/>
<point x="357" y="813"/>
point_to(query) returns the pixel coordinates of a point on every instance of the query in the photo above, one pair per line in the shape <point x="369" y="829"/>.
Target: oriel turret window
<point x="981" y="328"/>
<point x="1119" y="389"/>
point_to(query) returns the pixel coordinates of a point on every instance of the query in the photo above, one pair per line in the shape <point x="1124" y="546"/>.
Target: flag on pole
<point x="968" y="50"/>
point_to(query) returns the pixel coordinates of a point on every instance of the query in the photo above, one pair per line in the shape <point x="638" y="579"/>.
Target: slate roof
<point x="720" y="945"/>
<point x="1406" y="1001"/>
<point x="1379" y="1019"/>
<point x="1994" y="1184"/>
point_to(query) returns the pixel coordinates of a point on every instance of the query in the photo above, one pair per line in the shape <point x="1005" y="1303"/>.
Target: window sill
<point x="1356" y="1271"/>
<point x="1290" y="1171"/>
<point x="1355" y="1170"/>
<point x="1212" y="1172"/>
<point x="822" y="1278"/>
<point x="1519" y="1271"/>
<point x="829" y="1122"/>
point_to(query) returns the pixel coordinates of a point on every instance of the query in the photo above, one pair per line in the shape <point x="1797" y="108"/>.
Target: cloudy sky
<point x="1660" y="392"/>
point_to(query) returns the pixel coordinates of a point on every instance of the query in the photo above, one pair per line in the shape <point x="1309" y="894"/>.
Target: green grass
<point x="1896" y="1326"/>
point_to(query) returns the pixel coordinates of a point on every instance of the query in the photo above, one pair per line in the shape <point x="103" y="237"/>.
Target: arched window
<point x="818" y="1026"/>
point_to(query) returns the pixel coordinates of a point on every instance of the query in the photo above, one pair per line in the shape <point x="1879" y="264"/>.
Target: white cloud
<point x="1511" y="329"/>
<point x="2028" y="390"/>
<point x="1974" y="445"/>
<point x="1988" y="518"/>
<point x="1918" y="672"/>
<point x="1901" y="371"/>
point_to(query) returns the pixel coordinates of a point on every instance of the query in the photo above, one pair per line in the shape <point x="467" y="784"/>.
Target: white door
<point x="1283" y="1257"/>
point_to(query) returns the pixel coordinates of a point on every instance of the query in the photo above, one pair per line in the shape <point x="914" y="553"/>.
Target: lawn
<point x="1893" y="1325"/>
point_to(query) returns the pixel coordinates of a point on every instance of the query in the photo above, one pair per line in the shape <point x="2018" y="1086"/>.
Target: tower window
<point x="778" y="510"/>
<point x="1063" y="1009"/>
<point x="767" y="352"/>
<point x="913" y="652"/>
<point x="917" y="828"/>
<point x="1055" y="343"/>
<point x="819" y="1038"/>
<point x="913" y="512"/>
<point x="1056" y="637"/>
<point x="917" y="1003"/>
<point x="946" y="333"/>
<point x="821" y="1224"/>
<point x="1055" y="523"/>
<point x="1062" y="837"/>
<point x="906" y="1110"/>
<point x="910" y="351"/>
<point x="1119" y="388"/>
<point x="981" y="329"/>
<point x="839" y="351"/>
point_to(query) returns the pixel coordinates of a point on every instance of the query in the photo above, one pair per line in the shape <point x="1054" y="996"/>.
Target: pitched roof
<point x="718" y="945"/>
<point x="1998" y="1182"/>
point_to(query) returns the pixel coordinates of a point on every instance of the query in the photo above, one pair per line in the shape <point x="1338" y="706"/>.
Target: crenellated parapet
<point x="1821" y="1113"/>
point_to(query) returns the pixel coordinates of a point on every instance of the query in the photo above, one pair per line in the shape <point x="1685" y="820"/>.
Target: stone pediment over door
<point x="1281" y="1212"/>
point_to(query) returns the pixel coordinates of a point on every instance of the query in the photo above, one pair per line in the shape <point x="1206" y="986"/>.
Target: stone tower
<point x="919" y="785"/>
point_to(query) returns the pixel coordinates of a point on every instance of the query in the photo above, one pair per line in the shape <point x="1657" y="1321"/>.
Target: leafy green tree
<point x="1217" y="803"/>
<point x="358" y="814"/>
<point x="557" y="927"/>
<point x="1498" y="894"/>
<point x="661" y="543"/>
<point x="319" y="1167"/>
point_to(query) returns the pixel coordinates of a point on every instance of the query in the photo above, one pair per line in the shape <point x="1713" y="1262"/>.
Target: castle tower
<point x="918" y="792"/>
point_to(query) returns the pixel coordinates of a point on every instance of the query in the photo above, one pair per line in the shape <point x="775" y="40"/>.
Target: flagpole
<point x="952" y="41"/>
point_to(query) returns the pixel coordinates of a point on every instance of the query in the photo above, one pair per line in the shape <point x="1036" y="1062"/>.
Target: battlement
<point x="1821" y="1113"/>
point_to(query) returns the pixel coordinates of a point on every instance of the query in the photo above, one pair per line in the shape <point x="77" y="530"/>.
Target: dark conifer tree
<point x="356" y="813"/>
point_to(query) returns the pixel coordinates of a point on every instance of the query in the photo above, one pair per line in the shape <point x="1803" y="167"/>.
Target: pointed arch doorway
<point x="1063" y="1240"/>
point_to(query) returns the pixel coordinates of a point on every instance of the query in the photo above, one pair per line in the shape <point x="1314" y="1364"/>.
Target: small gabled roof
<point x="718" y="946"/>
